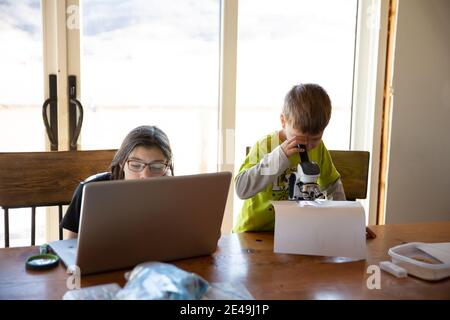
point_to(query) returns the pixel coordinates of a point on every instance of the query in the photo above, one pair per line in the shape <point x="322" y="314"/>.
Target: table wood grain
<point x="248" y="258"/>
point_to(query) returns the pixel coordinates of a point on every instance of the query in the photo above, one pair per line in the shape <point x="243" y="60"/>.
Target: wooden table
<point x="248" y="258"/>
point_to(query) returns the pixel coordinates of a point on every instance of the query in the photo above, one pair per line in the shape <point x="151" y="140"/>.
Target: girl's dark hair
<point x="147" y="136"/>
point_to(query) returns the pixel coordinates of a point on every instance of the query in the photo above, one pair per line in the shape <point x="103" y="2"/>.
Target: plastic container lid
<point x="418" y="263"/>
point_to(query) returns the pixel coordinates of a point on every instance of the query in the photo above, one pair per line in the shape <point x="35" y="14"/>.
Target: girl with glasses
<point x="145" y="153"/>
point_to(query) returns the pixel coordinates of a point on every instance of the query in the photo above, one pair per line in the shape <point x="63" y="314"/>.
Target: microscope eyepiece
<point x="303" y="154"/>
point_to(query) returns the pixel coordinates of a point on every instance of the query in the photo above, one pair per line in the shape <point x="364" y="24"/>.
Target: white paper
<point x="325" y="203"/>
<point x="324" y="228"/>
<point x="440" y="251"/>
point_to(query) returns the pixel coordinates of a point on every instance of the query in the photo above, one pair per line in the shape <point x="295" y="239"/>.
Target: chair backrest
<point x="33" y="179"/>
<point x="354" y="169"/>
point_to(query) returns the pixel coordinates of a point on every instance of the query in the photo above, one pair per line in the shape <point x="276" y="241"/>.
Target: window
<point x="21" y="77"/>
<point x="21" y="98"/>
<point x="147" y="63"/>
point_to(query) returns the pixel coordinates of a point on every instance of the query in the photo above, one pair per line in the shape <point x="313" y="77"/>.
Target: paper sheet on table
<point x="324" y="228"/>
<point x="327" y="204"/>
<point x="440" y="251"/>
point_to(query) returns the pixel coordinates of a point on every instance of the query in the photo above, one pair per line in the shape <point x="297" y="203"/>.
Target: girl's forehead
<point x="147" y="153"/>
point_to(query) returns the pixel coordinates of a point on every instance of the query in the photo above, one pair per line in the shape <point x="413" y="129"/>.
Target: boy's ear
<point x="283" y="121"/>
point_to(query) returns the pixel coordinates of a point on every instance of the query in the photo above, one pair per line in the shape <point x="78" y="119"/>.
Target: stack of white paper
<point x="324" y="228"/>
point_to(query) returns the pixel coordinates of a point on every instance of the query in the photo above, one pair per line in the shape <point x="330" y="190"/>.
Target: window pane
<point x="21" y="98"/>
<point x="287" y="42"/>
<point x="21" y="76"/>
<point x="155" y="63"/>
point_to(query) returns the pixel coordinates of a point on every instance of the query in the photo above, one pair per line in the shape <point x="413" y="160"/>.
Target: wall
<point x="418" y="184"/>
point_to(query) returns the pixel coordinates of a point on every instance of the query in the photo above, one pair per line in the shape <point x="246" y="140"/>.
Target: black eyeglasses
<point x="155" y="167"/>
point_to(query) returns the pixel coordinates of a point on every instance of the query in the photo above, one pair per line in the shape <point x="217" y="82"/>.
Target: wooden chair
<point x="354" y="169"/>
<point x="38" y="179"/>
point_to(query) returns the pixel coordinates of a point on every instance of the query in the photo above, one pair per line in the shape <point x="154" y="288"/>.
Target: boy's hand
<point x="290" y="146"/>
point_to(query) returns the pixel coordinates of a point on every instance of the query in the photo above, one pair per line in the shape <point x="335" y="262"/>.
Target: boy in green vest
<point x="264" y="175"/>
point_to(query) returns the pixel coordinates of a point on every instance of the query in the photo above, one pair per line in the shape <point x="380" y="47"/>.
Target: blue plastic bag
<point x="162" y="281"/>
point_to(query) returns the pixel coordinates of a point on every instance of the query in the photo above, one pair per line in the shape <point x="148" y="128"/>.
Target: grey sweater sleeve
<point x="256" y="178"/>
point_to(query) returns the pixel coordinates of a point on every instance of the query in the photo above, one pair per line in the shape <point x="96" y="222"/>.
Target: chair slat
<point x="60" y="215"/>
<point x="6" y="227"/>
<point x="33" y="225"/>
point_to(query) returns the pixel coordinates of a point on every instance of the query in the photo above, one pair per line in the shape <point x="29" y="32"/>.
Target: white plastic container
<point x="418" y="263"/>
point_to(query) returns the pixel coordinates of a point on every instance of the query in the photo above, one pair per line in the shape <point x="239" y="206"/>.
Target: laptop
<point x="127" y="222"/>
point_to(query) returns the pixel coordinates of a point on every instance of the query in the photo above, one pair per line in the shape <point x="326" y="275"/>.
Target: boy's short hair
<point x="307" y="107"/>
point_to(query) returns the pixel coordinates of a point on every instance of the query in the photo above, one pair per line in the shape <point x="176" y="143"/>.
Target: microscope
<point x="303" y="183"/>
